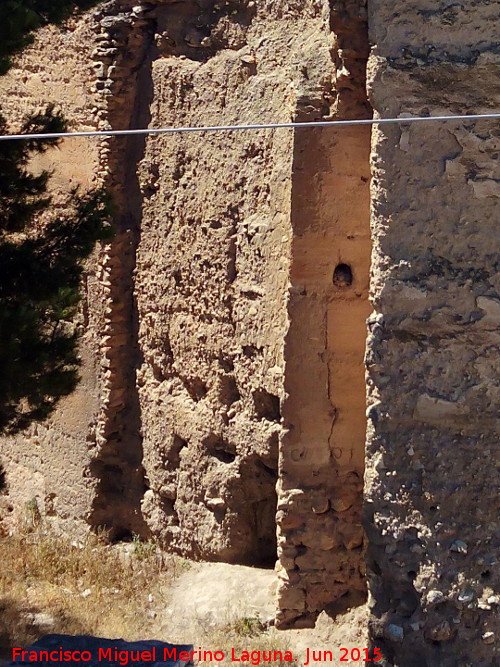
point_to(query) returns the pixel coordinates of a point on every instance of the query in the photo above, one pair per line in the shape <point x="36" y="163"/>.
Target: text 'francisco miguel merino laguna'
<point x="114" y="655"/>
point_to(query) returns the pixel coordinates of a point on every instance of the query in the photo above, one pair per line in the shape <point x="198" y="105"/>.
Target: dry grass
<point x="242" y="634"/>
<point x="48" y="584"/>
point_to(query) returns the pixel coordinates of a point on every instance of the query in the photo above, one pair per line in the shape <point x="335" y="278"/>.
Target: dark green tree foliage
<point x="20" y="191"/>
<point x="41" y="257"/>
<point x="40" y="272"/>
<point x="20" y="18"/>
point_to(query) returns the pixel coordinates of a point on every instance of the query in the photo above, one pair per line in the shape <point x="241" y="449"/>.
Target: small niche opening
<point x="224" y="451"/>
<point x="249" y="351"/>
<point x="266" y="405"/>
<point x="224" y="456"/>
<point x="120" y="534"/>
<point x="258" y="482"/>
<point x="195" y="387"/>
<point x="228" y="390"/>
<point x="342" y="276"/>
<point x="177" y="444"/>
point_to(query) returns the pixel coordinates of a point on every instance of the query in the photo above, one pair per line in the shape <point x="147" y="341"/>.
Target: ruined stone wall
<point x="123" y="37"/>
<point x="213" y="292"/>
<point x="218" y="240"/>
<point x="187" y="308"/>
<point x="212" y="277"/>
<point x="85" y="461"/>
<point x="223" y="391"/>
<point x="432" y="454"/>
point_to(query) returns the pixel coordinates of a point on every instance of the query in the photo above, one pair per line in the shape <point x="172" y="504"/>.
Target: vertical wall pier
<point x="211" y="287"/>
<point x="322" y="454"/>
<point x="123" y="68"/>
<point x="431" y="493"/>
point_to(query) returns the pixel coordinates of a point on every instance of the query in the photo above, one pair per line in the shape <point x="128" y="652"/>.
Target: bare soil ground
<point x="134" y="591"/>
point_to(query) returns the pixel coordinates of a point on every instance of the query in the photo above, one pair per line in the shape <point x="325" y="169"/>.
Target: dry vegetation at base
<point x="51" y="584"/>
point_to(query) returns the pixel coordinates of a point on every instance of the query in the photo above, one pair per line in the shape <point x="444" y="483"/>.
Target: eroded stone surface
<point x="432" y="483"/>
<point x="223" y="396"/>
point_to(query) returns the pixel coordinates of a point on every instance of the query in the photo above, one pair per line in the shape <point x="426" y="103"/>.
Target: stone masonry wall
<point x="121" y="64"/>
<point x="322" y="457"/>
<point x="322" y="453"/>
<point x="431" y="492"/>
<point x="223" y="393"/>
<point x="213" y="292"/>
<point x="212" y="271"/>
